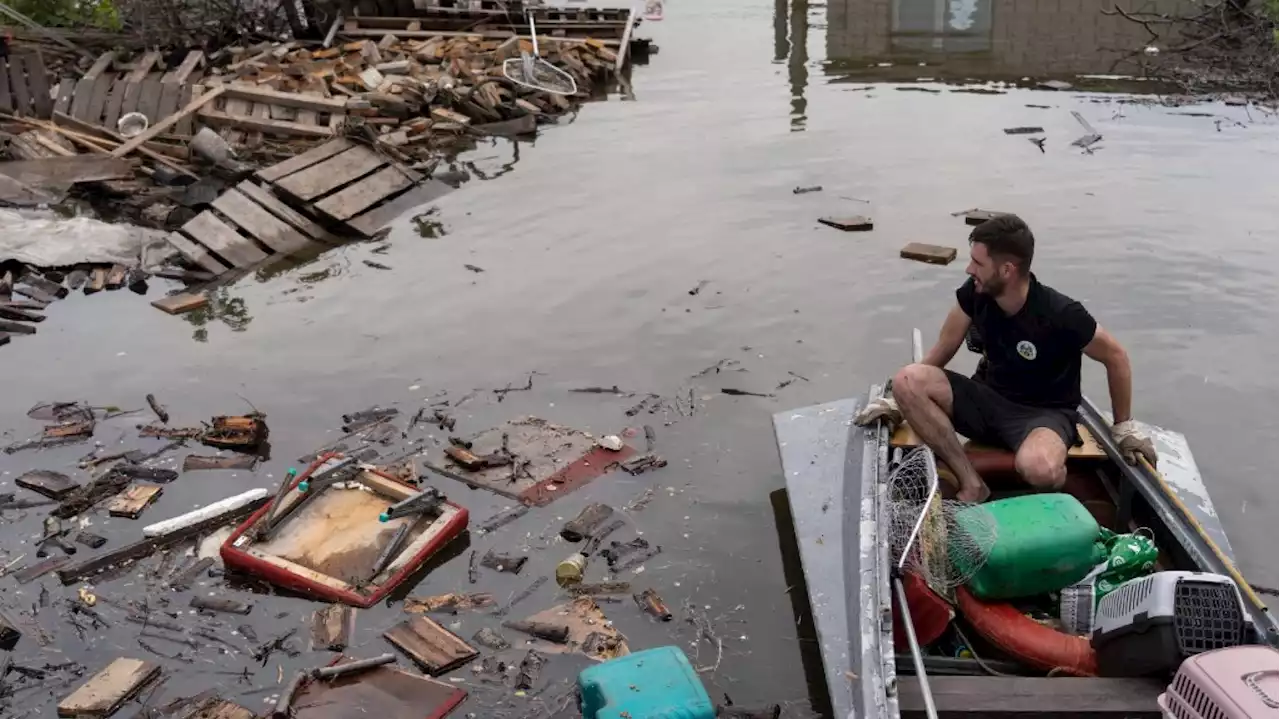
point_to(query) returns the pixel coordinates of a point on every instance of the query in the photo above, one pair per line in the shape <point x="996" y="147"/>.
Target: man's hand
<point x="885" y="408"/>
<point x="1133" y="442"/>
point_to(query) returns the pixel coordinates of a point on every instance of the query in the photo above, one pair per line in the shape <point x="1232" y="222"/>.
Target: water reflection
<point x="983" y="39"/>
<point x="797" y="63"/>
<point x="222" y="307"/>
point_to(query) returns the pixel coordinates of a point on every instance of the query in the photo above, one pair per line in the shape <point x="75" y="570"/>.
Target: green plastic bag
<point x="1128" y="556"/>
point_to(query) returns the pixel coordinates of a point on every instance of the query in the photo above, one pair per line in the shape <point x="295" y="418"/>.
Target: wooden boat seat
<point x="904" y="436"/>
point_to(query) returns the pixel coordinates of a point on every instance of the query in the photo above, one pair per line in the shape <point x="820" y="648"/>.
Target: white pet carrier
<point x="1150" y="624"/>
<point x="1235" y="683"/>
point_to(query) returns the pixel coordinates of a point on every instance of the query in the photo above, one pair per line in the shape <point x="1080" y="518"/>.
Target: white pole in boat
<point x="908" y="625"/>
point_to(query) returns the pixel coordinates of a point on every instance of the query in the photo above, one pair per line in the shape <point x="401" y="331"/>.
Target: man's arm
<point x="950" y="338"/>
<point x="1105" y="349"/>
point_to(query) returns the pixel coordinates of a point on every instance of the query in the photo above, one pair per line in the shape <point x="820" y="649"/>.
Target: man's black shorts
<point x="983" y="415"/>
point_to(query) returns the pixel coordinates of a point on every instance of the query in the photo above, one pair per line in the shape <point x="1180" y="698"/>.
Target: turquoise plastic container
<point x="652" y="684"/>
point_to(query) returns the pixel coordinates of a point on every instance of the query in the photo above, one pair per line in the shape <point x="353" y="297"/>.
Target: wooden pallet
<point x="246" y="112"/>
<point x="103" y="95"/>
<point x="351" y="185"/>
<point x="24" y="86"/>
<point x="607" y="23"/>
<point x="247" y="226"/>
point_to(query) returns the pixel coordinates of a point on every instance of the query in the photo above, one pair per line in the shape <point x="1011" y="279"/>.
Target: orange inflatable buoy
<point x="1026" y="639"/>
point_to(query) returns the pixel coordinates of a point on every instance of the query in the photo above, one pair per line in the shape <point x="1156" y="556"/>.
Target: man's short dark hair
<point x="1008" y="239"/>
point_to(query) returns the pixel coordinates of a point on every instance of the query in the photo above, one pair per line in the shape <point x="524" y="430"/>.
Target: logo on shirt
<point x="1026" y="350"/>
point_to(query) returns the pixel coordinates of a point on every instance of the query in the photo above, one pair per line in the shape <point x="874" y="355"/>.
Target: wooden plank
<point x="149" y="99"/>
<point x="933" y="254"/>
<point x="333" y="173"/>
<point x="168" y="99"/>
<point x="97" y="280"/>
<point x="263" y="225"/>
<point x="196" y="254"/>
<point x="132" y="500"/>
<point x="1033" y="697"/>
<point x="436" y="649"/>
<point x="115" y="101"/>
<point x="273" y="205"/>
<point x="189" y="64"/>
<point x="357" y="198"/>
<point x="145" y="65"/>
<point x="116" y="276"/>
<point x="158" y="128"/>
<point x="38" y="81"/>
<point x="379" y="217"/>
<point x="305" y="160"/>
<point x="331" y="628"/>
<point x="84" y="86"/>
<point x="214" y="234"/>
<point x="286" y="99"/>
<point x="18" y="86"/>
<point x="850" y="223"/>
<point x="6" y="98"/>
<point x="489" y="35"/>
<point x="146" y="547"/>
<point x="185" y="126"/>
<point x="61" y="171"/>
<point x="53" y="485"/>
<point x="181" y="302"/>
<point x="132" y="90"/>
<point x="274" y="127"/>
<point x="110" y="688"/>
<point x="66" y="91"/>
<point x="98" y="98"/>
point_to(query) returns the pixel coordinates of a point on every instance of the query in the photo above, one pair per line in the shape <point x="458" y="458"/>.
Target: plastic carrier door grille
<point x="1201" y="705"/>
<point x="1128" y="598"/>
<point x="1206" y="616"/>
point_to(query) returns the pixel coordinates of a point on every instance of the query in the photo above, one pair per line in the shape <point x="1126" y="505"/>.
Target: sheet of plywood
<point x="109" y="688"/>
<point x="214" y="234"/>
<point x="357" y="198"/>
<point x="331" y="627"/>
<point x="132" y="500"/>
<point x="333" y="173"/>
<point x="305" y="160"/>
<point x="181" y="302"/>
<point x="263" y="225"/>
<point x="63" y="171"/>
<point x="53" y="485"/>
<point x="436" y="649"/>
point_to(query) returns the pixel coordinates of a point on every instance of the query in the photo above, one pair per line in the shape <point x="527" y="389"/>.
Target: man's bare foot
<point x="974" y="493"/>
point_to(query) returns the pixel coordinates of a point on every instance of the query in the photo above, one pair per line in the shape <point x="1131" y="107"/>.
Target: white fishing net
<point x="943" y="541"/>
<point x="531" y="71"/>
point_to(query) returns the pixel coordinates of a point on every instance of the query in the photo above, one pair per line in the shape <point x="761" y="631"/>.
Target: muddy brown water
<point x="592" y="237"/>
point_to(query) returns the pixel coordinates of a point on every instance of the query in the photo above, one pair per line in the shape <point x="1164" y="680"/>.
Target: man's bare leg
<point x="924" y="396"/>
<point x="1042" y="459"/>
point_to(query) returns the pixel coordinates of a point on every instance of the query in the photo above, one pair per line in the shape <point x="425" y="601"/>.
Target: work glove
<point x="885" y="408"/>
<point x="1133" y="442"/>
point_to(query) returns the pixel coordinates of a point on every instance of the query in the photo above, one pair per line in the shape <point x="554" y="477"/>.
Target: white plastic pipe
<point x="196" y="516"/>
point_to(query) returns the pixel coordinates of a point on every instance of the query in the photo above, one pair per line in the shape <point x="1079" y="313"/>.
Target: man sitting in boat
<point x="1027" y="390"/>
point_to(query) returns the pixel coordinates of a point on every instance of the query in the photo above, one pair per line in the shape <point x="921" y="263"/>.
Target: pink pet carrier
<point x="1235" y="683"/>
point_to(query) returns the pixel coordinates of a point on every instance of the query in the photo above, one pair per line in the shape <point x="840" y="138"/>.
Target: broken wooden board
<point x="62" y="172"/>
<point x="332" y="627"/>
<point x="434" y="648"/>
<point x="231" y="461"/>
<point x="854" y="223"/>
<point x="369" y="223"/>
<point x="385" y="692"/>
<point x="553" y="460"/>
<point x="216" y="235"/>
<point x="590" y="632"/>
<point x="146" y="547"/>
<point x="932" y="254"/>
<point x="452" y="602"/>
<point x="25" y="90"/>
<point x="29" y="574"/>
<point x="264" y="125"/>
<point x="132" y="500"/>
<point x="977" y="217"/>
<point x="181" y="302"/>
<point x="213" y="708"/>
<point x="304" y="160"/>
<point x="53" y="485"/>
<point x="110" y="688"/>
<point x="15" y="193"/>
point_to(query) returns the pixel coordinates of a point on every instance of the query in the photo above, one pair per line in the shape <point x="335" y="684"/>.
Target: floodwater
<point x="591" y="239"/>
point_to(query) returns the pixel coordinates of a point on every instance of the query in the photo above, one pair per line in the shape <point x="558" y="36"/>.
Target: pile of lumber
<point x="420" y="95"/>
